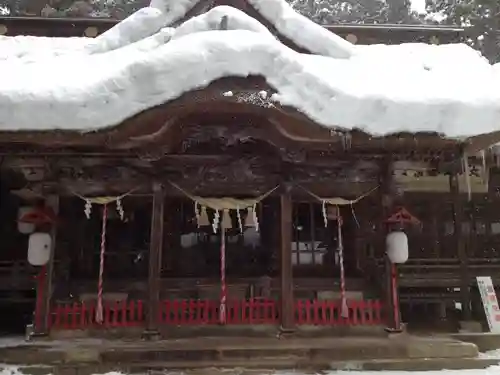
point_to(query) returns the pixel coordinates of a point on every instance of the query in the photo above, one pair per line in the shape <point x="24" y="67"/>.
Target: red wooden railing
<point x="83" y="315"/>
<point x="196" y="312"/>
<point x="206" y="312"/>
<point x="328" y="313"/>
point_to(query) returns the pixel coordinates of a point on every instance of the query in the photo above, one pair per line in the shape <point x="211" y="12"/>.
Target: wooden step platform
<point x="97" y="356"/>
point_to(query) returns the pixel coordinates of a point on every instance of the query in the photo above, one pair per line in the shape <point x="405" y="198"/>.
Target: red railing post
<point x="73" y="321"/>
<point x="193" y="312"/>
<point x="82" y="315"/>
<point x="171" y="308"/>
<point x="230" y="312"/>
<point x="331" y="310"/>
<point x="356" y="307"/>
<point x="367" y="307"/>
<point x="57" y="319"/>
<point x="66" y="319"/>
<point x="124" y="318"/>
<point x="377" y="311"/>
<point x="324" y="305"/>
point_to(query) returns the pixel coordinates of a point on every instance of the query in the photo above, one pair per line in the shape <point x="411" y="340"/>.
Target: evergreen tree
<point x="356" y="11"/>
<point x="70" y="8"/>
<point x="482" y="16"/>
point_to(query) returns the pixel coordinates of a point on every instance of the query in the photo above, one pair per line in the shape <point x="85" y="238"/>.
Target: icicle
<point x="467" y="176"/>
<point x="238" y="216"/>
<point x="325" y="216"/>
<point x="216" y="221"/>
<point x="226" y="220"/>
<point x="119" y="209"/>
<point x="203" y="220"/>
<point x="88" y="208"/>
<point x="197" y="213"/>
<point x="255" y="218"/>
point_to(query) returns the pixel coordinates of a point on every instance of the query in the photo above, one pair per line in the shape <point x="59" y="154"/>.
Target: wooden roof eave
<point x="288" y="126"/>
<point x="473" y="145"/>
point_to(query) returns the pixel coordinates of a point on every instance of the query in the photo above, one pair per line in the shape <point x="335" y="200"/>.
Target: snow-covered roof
<point x="89" y="84"/>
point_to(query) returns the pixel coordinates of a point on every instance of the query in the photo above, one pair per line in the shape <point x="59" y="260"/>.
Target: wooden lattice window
<point x="310" y="240"/>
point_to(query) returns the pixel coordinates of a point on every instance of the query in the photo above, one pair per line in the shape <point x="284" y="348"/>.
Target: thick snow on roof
<point x="301" y="30"/>
<point x="93" y="84"/>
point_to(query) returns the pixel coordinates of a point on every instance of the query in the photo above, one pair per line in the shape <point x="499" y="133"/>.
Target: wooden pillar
<point x="155" y="253"/>
<point x="44" y="292"/>
<point x="458" y="215"/>
<point x="389" y="200"/>
<point x="287" y="300"/>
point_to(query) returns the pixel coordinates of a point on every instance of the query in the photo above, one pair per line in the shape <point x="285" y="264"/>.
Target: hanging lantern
<point x="22" y="226"/>
<point x="397" y="247"/>
<point x="39" y="247"/>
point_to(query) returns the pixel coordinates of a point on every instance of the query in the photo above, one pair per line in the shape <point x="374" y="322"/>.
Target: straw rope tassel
<point x="99" y="313"/>
<point x="223" y="294"/>
<point x="344" y="309"/>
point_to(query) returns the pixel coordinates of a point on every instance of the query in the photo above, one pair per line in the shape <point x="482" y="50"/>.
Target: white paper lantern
<point x="24" y="228"/>
<point x="397" y="247"/>
<point x="39" y="246"/>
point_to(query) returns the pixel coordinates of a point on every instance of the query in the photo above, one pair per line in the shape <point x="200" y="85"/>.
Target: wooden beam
<point x="287" y="298"/>
<point x="388" y="202"/>
<point x="52" y="201"/>
<point x="458" y="214"/>
<point x="155" y="254"/>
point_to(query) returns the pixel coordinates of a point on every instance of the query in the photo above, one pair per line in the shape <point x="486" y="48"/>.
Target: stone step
<point x="246" y="354"/>
<point x="349" y="350"/>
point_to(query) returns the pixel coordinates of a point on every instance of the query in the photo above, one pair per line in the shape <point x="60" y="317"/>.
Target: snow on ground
<point x="490" y="354"/>
<point x="85" y="85"/>
<point x="494" y="370"/>
<point x="13" y="341"/>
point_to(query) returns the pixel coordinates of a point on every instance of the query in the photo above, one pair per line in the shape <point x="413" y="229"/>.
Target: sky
<point x="418" y="5"/>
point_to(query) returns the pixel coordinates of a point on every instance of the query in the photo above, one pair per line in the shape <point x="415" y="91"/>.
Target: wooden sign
<point x="490" y="302"/>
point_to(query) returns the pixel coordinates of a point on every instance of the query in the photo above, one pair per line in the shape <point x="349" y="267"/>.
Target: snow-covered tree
<point x="356" y="11"/>
<point x="72" y="8"/>
<point x="483" y="17"/>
